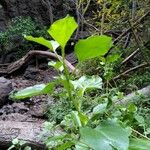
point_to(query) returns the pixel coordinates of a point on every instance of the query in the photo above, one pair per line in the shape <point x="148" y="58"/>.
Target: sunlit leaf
<point x="40" y="40"/>
<point x="54" y="44"/>
<point x="62" y="29"/>
<point x="92" y="47"/>
<point x="84" y="118"/>
<point x="33" y="91"/>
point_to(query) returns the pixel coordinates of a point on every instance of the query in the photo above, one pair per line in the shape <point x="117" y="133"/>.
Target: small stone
<point x="5" y="89"/>
<point x="31" y="73"/>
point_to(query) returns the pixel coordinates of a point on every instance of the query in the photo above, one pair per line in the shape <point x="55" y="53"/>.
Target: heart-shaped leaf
<point x="92" y="47"/>
<point x="62" y="29"/>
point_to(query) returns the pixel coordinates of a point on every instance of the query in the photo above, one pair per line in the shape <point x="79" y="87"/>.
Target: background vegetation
<point x="85" y="107"/>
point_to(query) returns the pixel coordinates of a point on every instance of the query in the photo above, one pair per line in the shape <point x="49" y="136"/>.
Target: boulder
<point x="5" y="89"/>
<point x="26" y="131"/>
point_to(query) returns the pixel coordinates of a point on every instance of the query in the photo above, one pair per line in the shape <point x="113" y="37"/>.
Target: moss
<point x="13" y="38"/>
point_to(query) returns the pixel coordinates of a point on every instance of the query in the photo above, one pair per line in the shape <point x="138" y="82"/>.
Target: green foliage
<point x="41" y="41"/>
<point x="84" y="83"/>
<point x="13" y="38"/>
<point x="63" y="34"/>
<point x="33" y="91"/>
<point x="138" y="79"/>
<point x="106" y="126"/>
<point x="94" y="46"/>
<point x="107" y="135"/>
<point x="139" y="144"/>
<point x="18" y="145"/>
<point x="58" y="109"/>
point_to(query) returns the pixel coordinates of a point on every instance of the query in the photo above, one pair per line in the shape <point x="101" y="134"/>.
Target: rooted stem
<point x="67" y="76"/>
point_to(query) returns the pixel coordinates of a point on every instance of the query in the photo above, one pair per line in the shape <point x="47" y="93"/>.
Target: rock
<point x="2" y="18"/>
<point x="71" y="58"/>
<point x="5" y="89"/>
<point x="36" y="9"/>
<point x="26" y="131"/>
<point x="38" y="111"/>
<point x="14" y="117"/>
<point x="31" y="73"/>
<point x="20" y="108"/>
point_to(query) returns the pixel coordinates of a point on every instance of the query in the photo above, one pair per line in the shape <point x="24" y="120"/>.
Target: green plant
<point x="98" y="128"/>
<point x="18" y="145"/>
<point x="12" y="39"/>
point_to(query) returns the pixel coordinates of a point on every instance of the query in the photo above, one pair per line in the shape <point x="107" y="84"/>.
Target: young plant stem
<point x="67" y="76"/>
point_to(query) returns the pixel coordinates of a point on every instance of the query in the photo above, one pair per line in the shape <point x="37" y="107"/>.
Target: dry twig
<point x="19" y="63"/>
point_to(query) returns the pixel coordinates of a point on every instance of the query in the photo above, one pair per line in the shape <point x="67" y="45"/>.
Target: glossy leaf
<point x="92" y="47"/>
<point x="107" y="136"/>
<point x="33" y="91"/>
<point x="85" y="82"/>
<point x="54" y="44"/>
<point x="62" y="29"/>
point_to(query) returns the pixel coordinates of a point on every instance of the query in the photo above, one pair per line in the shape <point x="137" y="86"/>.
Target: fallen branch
<point x="19" y="63"/>
<point x="127" y="40"/>
<point x="135" y="95"/>
<point x="130" y="56"/>
<point x="130" y="70"/>
<point x="127" y="30"/>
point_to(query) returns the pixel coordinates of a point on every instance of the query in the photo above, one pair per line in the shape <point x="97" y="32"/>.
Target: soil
<point x="31" y="109"/>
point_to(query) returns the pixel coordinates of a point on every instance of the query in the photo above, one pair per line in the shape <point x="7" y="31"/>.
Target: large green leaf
<point x="33" y="91"/>
<point x="62" y="29"/>
<point x="40" y="40"/>
<point x="85" y="82"/>
<point x="107" y="136"/>
<point x="92" y="47"/>
<point x="139" y="144"/>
